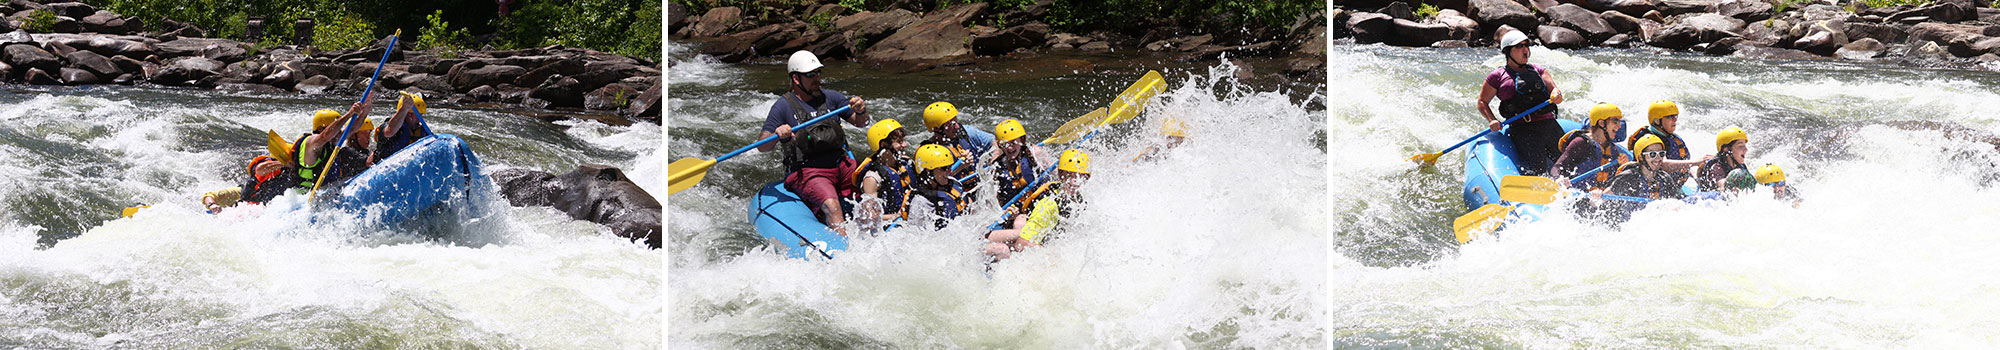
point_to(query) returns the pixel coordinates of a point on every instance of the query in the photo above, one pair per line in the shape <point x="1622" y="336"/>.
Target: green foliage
<point x="343" y="31"/>
<point x="1426" y="11"/>
<point x="823" y="21"/>
<point x="624" y="27"/>
<point x="41" y="21"/>
<point x="438" y="34"/>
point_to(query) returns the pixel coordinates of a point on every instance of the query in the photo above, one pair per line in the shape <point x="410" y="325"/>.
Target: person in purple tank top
<point x="1520" y="87"/>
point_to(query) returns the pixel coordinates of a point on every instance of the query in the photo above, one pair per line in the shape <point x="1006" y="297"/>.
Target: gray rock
<point x="1462" y="28"/>
<point x="1621" y="22"/>
<point x="29" y="56"/>
<point x="72" y="9"/>
<point x="1414" y="34"/>
<point x="36" y="76"/>
<point x="471" y="74"/>
<point x="1010" y="39"/>
<point x="597" y="193"/>
<point x="1772" y="53"/>
<point x="1581" y="21"/>
<point x="73" y="76"/>
<point x="872" y="27"/>
<point x="1681" y="7"/>
<point x="315" y="85"/>
<point x="560" y="91"/>
<point x="225" y="50"/>
<point x="1495" y="13"/>
<point x="717" y="21"/>
<point x="1400" y="10"/>
<point x="1369" y="27"/>
<point x="1886" y="33"/>
<point x="647" y="106"/>
<point x="611" y="97"/>
<point x="1866" y="48"/>
<point x="91" y="61"/>
<point x="1561" y="38"/>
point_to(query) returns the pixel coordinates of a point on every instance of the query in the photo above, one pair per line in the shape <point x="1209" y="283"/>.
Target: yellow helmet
<point x="1175" y="128"/>
<point x="1009" y="130"/>
<point x="1075" y="161"/>
<point x="1604" y="111"/>
<point x="415" y="99"/>
<point x="323" y="117"/>
<point x="939" y="113"/>
<point x="1770" y="174"/>
<point x="879" y="131"/>
<point x="1730" y="135"/>
<point x="1644" y="142"/>
<point x="934" y="156"/>
<point x="1660" y="110"/>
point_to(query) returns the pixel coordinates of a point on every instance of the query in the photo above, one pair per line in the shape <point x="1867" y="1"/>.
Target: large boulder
<point x="1866" y="48"/>
<point x="938" y="38"/>
<point x="1680" y="7"/>
<point x="16" y="36"/>
<point x="611" y="97"/>
<point x="572" y="66"/>
<point x="1711" y="27"/>
<point x="93" y="62"/>
<point x="1463" y="28"/>
<point x="29" y="56"/>
<point x="72" y="9"/>
<point x="1417" y="34"/>
<point x="37" y="76"/>
<point x="1584" y="22"/>
<point x="1822" y="37"/>
<point x="1771" y="53"/>
<point x="717" y="21"/>
<point x="1495" y="13"/>
<point x="1621" y="22"/>
<point x="1370" y="27"/>
<point x="73" y="76"/>
<point x="1561" y="38"/>
<point x="870" y="27"/>
<point x="597" y="193"/>
<point x="225" y="50"/>
<point x="107" y="22"/>
<point x="1747" y="10"/>
<point x="647" y="106"/>
<point x="1013" y="38"/>
<point x="471" y="74"/>
<point x="1882" y="33"/>
<point x="186" y="70"/>
<point x="1630" y="7"/>
<point x="560" y="91"/>
<point x="752" y="43"/>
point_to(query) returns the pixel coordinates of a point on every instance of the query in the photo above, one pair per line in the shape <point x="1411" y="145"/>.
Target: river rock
<point x="1823" y="38"/>
<point x="717" y="21"/>
<point x="225" y="50"/>
<point x="1680" y="7"/>
<point x="1940" y="32"/>
<point x="1886" y="33"/>
<point x="284" y="79"/>
<point x="871" y="27"/>
<point x="1370" y="27"/>
<point x="92" y="62"/>
<point x="1463" y="28"/>
<point x="597" y="193"/>
<point x="72" y="9"/>
<point x="1621" y="22"/>
<point x="37" y="76"/>
<point x="744" y="45"/>
<point x="597" y="73"/>
<point x="1866" y="48"/>
<point x="572" y="66"/>
<point x="560" y="91"/>
<point x="1010" y="39"/>
<point x="647" y="106"/>
<point x="29" y="56"/>
<point x="1415" y="34"/>
<point x="938" y="38"/>
<point x="187" y="70"/>
<point x="73" y="76"/>
<point x="472" y="74"/>
<point x="611" y="97"/>
<point x="1747" y="10"/>
<point x="17" y="36"/>
<point x="1561" y="38"/>
<point x="1677" y="36"/>
<point x="1591" y="27"/>
<point x="1495" y="13"/>
<point x="1399" y="10"/>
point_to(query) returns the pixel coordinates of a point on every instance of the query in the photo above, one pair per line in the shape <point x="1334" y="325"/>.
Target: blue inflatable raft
<point x="1489" y="159"/>
<point x="783" y="219"/>
<point x="435" y="172"/>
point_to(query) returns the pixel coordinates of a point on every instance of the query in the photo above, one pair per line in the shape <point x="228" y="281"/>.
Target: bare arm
<point x="1486" y="93"/>
<point x="1555" y="93"/>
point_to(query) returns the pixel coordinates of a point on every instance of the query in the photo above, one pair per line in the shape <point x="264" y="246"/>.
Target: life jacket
<point x="1676" y="149"/>
<point x="387" y="145"/>
<point x="947" y="203"/>
<point x="351" y="164"/>
<point x="896" y="184"/>
<point x="821" y="145"/>
<point x="1529" y="91"/>
<point x="1046" y="212"/>
<point x="1605" y="153"/>
<point x="260" y="190"/>
<point x="1711" y="180"/>
<point x="1016" y="176"/>
<point x="1647" y="187"/>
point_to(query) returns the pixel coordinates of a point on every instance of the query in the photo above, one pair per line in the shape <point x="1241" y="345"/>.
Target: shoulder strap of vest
<point x="1563" y="144"/>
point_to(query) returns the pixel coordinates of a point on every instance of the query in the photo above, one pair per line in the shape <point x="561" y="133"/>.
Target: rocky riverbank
<point x="87" y="46"/>
<point x="901" y="40"/>
<point x="1960" y="33"/>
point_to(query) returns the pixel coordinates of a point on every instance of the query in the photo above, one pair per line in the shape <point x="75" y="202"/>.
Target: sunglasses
<point x="1654" y="154"/>
<point x="812" y="74"/>
<point x="1672" y="116"/>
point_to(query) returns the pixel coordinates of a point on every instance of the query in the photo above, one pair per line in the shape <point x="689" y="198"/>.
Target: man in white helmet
<point x="817" y="165"/>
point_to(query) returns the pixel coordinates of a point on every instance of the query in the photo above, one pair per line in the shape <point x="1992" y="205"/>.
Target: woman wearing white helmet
<point x="1520" y="87"/>
<point x="817" y="166"/>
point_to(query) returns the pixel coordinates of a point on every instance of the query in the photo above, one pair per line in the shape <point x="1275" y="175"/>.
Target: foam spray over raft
<point x="1216" y="245"/>
<point x="1891" y="248"/>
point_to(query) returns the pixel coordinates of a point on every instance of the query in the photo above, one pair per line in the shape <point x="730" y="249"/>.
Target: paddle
<point x="685" y="173"/>
<point x="1542" y="190"/>
<point x="1429" y="159"/>
<point x="345" y="129"/>
<point x="1479" y="221"/>
<point x="1126" y="106"/>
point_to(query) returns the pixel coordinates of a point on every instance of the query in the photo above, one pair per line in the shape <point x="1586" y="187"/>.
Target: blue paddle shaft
<point x="345" y="129"/>
<point x="1040" y="177"/>
<point x="1490" y="130"/>
<point x="1587" y="174"/>
<point x="768" y="139"/>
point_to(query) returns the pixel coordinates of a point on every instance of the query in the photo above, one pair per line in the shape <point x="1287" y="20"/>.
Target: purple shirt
<point x="1503" y="86"/>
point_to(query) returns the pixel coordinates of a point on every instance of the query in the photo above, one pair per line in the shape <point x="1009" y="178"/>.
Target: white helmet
<point x="1512" y="38"/>
<point x="802" y="61"/>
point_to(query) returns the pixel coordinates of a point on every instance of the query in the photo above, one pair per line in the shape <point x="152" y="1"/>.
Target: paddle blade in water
<point x="131" y="210"/>
<point x="279" y="148"/>
<point x="1426" y="159"/>
<point x="1076" y="128"/>
<point x="1479" y="222"/>
<point x="684" y="173"/>
<point x="1529" y="189"/>
<point x="1134" y="99"/>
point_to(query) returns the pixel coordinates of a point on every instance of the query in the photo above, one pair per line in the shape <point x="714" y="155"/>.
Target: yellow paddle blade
<point x="1529" y="189"/>
<point x="1076" y="128"/>
<point x="684" y="173"/>
<point x="1134" y="99"/>
<point x="1426" y="159"/>
<point x="131" y="210"/>
<point x="1479" y="222"/>
<point x="279" y="148"/>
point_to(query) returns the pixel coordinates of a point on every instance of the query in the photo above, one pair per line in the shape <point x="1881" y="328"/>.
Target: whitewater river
<point x="74" y="275"/>
<point x="1893" y="247"/>
<point x="1220" y="244"/>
